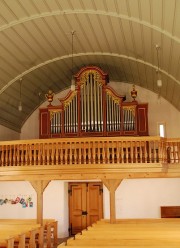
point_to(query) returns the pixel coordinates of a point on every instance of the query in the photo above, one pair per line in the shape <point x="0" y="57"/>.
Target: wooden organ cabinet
<point x="93" y="109"/>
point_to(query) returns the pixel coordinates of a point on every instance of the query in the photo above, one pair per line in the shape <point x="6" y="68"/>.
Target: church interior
<point x="89" y="123"/>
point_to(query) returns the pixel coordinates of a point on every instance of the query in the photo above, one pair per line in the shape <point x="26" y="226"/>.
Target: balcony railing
<point x="92" y="150"/>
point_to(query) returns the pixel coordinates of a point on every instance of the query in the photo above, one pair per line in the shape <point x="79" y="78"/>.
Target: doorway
<point x="85" y="205"/>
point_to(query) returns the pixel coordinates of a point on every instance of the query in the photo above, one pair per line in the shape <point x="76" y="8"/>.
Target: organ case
<point x="93" y="109"/>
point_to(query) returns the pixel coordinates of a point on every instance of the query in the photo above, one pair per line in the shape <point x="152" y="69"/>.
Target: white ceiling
<point x="120" y="36"/>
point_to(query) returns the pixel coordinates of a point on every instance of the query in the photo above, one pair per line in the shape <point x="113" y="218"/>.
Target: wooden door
<point x="85" y="205"/>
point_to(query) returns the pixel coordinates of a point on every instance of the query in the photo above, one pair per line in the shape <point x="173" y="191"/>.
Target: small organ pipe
<point x="88" y="105"/>
<point x="98" y="107"/>
<point x="95" y="107"/>
<point x="101" y="108"/>
<point x="85" y="107"/>
<point x="82" y="108"/>
<point x="92" y="101"/>
<point x="107" y="111"/>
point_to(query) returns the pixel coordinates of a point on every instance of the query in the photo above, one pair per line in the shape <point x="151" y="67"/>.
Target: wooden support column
<point x="39" y="187"/>
<point x="112" y="185"/>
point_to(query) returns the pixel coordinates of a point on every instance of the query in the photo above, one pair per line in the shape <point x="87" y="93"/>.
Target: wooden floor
<point x="157" y="233"/>
<point x="61" y="240"/>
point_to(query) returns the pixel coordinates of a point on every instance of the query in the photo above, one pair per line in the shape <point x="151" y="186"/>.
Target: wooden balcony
<point x="89" y="158"/>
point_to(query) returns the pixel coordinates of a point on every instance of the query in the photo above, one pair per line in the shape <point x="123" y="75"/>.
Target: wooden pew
<point x="50" y="228"/>
<point x="122" y="246"/>
<point x="7" y="241"/>
<point x="22" y="234"/>
<point x="123" y="242"/>
<point x="129" y="234"/>
<point x="11" y="239"/>
<point x="170" y="211"/>
<point x="149" y="220"/>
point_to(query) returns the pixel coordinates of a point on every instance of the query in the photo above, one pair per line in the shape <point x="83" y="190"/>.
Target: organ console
<point x="93" y="109"/>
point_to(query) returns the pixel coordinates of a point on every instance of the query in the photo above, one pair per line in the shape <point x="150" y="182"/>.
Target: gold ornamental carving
<point x="130" y="108"/>
<point x="53" y="112"/>
<point x="49" y="96"/>
<point x="67" y="102"/>
<point x="97" y="77"/>
<point x="114" y="98"/>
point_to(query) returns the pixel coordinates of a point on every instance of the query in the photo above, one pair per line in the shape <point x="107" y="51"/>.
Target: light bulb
<point x="20" y="107"/>
<point x="159" y="83"/>
<point x="73" y="84"/>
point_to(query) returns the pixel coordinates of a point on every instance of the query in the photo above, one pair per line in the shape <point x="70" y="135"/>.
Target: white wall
<point x="30" y="129"/>
<point x="8" y="134"/>
<point x="142" y="198"/>
<point x="134" y="199"/>
<point x="56" y="205"/>
<point x="11" y="190"/>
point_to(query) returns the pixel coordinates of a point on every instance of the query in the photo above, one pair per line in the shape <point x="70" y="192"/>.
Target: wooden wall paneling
<point x="44" y="124"/>
<point x="142" y="121"/>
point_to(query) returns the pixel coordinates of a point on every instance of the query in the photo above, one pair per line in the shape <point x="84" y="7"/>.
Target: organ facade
<point x="93" y="109"/>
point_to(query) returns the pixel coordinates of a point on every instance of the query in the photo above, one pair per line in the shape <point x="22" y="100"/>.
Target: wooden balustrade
<point x="94" y="150"/>
<point x="173" y="150"/>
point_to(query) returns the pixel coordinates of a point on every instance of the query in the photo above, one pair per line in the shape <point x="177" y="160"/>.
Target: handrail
<point x="89" y="150"/>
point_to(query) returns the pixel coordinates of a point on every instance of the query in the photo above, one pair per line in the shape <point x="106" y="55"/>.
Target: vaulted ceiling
<point x="120" y="36"/>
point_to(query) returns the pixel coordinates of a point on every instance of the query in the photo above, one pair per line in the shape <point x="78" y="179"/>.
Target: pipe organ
<point x="93" y="109"/>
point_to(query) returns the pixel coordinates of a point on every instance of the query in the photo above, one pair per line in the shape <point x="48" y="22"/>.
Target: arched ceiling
<point x="120" y="36"/>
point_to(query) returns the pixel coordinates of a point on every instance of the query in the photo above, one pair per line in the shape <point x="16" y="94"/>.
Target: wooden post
<point x="39" y="187"/>
<point x="112" y="185"/>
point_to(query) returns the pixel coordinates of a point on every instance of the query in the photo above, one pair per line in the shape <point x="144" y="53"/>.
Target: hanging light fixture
<point x="20" y="101"/>
<point x="159" y="80"/>
<point x="73" y="87"/>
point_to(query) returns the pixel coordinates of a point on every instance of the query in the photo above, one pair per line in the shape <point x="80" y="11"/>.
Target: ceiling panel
<point x="119" y="36"/>
<point x="147" y="11"/>
<point x="176" y="94"/>
<point x="7" y="12"/>
<point x="122" y="7"/>
<point x="28" y="6"/>
<point x="157" y="12"/>
<point x="169" y="15"/>
<point x="133" y="8"/>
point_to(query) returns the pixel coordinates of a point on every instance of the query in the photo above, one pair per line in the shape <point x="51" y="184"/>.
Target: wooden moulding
<point x="85" y="172"/>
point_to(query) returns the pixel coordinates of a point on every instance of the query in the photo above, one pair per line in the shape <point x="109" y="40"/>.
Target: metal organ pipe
<point x="92" y="101"/>
<point x="98" y="108"/>
<point x="95" y="107"/>
<point x="82" y="108"/>
<point x="101" y="108"/>
<point x="88" y="103"/>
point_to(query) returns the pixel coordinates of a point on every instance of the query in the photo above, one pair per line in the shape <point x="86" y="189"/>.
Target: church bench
<point x="170" y="211"/>
<point x="31" y="234"/>
<point x="149" y="220"/>
<point x="28" y="237"/>
<point x="123" y="242"/>
<point x="130" y="234"/>
<point x="7" y="242"/>
<point x="51" y="229"/>
<point x="122" y="245"/>
<point x="117" y="227"/>
<point x="49" y="225"/>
